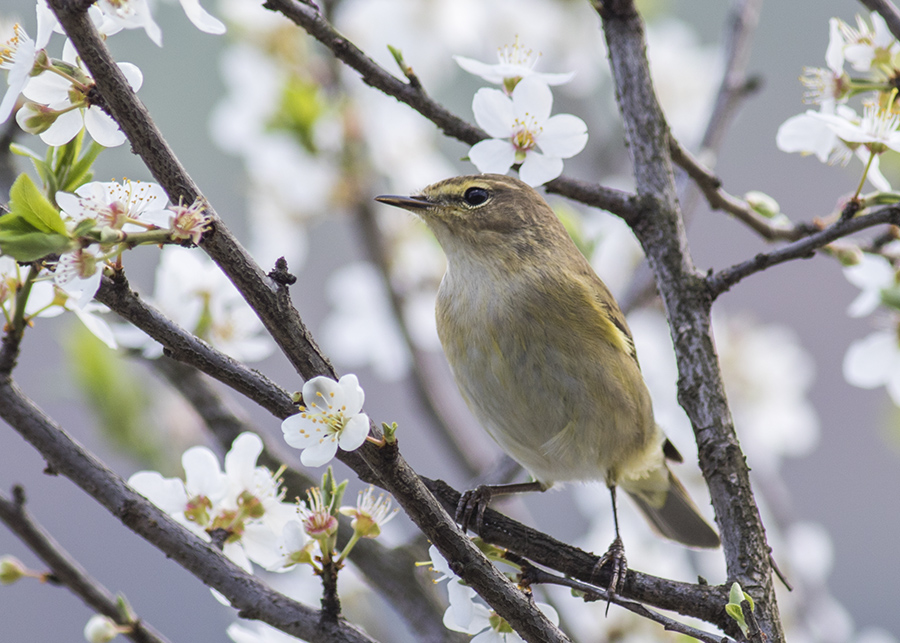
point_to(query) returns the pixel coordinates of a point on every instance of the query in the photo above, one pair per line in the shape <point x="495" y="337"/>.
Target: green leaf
<point x="735" y="594"/>
<point x="736" y="613"/>
<point x="117" y="395"/>
<point x="80" y="173"/>
<point x="26" y="200"/>
<point x="33" y="245"/>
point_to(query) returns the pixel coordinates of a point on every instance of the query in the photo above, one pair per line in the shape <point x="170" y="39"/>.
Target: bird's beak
<point x="406" y="202"/>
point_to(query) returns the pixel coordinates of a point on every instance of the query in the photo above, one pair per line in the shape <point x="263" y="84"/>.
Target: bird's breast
<point x="565" y="404"/>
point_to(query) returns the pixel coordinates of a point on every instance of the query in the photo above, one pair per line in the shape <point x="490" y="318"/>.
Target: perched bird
<point x="543" y="356"/>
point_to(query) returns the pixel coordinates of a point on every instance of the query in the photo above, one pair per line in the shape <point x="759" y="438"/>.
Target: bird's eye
<point x="476" y="196"/>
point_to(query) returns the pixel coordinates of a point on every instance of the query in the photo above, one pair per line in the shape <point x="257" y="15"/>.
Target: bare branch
<point x="533" y="574"/>
<point x="701" y="392"/>
<point x="66" y="570"/>
<point x="802" y="249"/>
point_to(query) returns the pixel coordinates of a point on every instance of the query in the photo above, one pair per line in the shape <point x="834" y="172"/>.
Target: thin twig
<point x="718" y="199"/>
<point x="532" y="575"/>
<point x="802" y="249"/>
<point x="66" y="570"/>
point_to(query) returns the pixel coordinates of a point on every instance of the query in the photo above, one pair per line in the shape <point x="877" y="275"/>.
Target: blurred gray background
<point x="850" y="483"/>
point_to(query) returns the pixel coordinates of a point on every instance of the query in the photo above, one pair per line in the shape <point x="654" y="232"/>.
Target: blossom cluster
<point x="835" y="132"/>
<point x="517" y="118"/>
<point x="58" y="91"/>
<point x="241" y="507"/>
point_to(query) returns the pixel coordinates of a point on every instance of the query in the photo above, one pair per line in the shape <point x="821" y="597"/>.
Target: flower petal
<point x="321" y="392"/>
<point x="354" y="432"/>
<point x="353" y="394"/>
<point x="202" y="474"/>
<point x="240" y="461"/>
<point x="538" y="169"/>
<point x="533" y="98"/>
<point x="563" y="136"/>
<point x="203" y="20"/>
<point x="493" y="155"/>
<point x="494" y="112"/>
<point x="63" y="130"/>
<point x="322" y="452"/>
<point x="869" y="361"/>
<point x="102" y="127"/>
<point x="806" y="134"/>
<point x="478" y="68"/>
<point x="291" y="428"/>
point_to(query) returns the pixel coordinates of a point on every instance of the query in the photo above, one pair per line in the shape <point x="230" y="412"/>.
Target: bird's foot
<point x="471" y="505"/>
<point x="615" y="559"/>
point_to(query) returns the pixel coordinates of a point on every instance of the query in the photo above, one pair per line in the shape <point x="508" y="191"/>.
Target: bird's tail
<point x="672" y="513"/>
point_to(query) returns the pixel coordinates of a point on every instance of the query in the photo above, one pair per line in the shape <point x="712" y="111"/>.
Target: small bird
<point x="544" y="358"/>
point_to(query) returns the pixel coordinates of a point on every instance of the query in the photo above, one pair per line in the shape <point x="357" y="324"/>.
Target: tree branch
<point x="802" y="249"/>
<point x="66" y="570"/>
<point x="660" y="230"/>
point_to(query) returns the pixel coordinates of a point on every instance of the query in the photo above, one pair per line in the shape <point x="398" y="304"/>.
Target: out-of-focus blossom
<point x="193" y="292"/>
<point x="875" y="361"/>
<point x="875" y="276"/>
<point x="360" y="330"/>
<point x="685" y="76"/>
<point x="521" y="125"/>
<point x="515" y="62"/>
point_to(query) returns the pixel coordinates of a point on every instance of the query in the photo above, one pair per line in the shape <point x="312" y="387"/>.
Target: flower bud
<point x="11" y="570"/>
<point x="100" y="629"/>
<point x="763" y="204"/>
<point x="35" y="118"/>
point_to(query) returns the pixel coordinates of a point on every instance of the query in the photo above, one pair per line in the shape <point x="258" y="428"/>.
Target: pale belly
<point x="561" y="414"/>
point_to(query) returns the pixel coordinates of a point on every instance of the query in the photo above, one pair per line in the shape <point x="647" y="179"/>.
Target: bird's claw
<point x="472" y="503"/>
<point x="618" y="568"/>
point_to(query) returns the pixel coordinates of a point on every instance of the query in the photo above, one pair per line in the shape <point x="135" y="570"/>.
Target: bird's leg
<point x="473" y="502"/>
<point x="614" y="556"/>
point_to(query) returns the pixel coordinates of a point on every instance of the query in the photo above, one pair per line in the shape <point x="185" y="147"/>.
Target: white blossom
<point x="329" y="417"/>
<point x="521" y="125"/>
